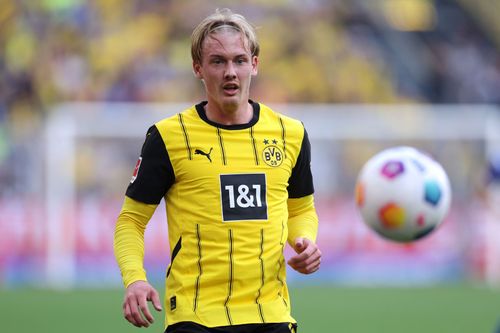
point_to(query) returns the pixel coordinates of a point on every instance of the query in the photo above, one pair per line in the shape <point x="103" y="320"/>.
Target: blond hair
<point x="222" y="19"/>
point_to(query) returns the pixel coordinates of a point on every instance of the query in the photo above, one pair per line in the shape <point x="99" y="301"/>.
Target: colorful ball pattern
<point x="403" y="194"/>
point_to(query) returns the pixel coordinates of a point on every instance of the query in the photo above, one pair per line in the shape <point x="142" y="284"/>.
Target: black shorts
<point x="191" y="327"/>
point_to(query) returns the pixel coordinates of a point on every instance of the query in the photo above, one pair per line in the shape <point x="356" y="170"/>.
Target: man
<point x="237" y="183"/>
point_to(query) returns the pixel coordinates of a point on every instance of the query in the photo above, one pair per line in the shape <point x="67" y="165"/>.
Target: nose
<point x="230" y="71"/>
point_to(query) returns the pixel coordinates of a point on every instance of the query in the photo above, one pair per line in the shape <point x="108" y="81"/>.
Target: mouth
<point x="230" y="88"/>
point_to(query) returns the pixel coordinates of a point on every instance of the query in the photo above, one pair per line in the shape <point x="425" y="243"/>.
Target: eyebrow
<point x="217" y="55"/>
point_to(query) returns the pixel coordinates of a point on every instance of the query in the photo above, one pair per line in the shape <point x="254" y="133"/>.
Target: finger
<point x="128" y="315"/>
<point x="313" y="267"/>
<point x="143" y="305"/>
<point x="300" y="256"/>
<point x="308" y="269"/>
<point x="126" y="311"/>
<point x="155" y="298"/>
<point x="297" y="265"/>
<point x="297" y="261"/>
<point x="136" y="314"/>
<point x="305" y="258"/>
<point x="305" y="264"/>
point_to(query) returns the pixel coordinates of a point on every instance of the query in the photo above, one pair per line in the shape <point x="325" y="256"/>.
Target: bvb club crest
<point x="272" y="154"/>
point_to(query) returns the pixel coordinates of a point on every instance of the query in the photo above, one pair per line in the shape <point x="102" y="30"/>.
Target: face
<point x="226" y="70"/>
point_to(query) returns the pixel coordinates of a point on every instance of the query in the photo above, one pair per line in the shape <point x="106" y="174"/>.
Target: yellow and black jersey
<point x="227" y="192"/>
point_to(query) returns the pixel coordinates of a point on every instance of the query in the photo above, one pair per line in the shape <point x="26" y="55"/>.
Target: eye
<point x="217" y="61"/>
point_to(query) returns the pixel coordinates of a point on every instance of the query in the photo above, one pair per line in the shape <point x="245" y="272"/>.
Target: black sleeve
<point x="154" y="173"/>
<point x="300" y="183"/>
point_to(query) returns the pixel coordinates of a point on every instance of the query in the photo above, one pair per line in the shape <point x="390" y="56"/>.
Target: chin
<point x="231" y="104"/>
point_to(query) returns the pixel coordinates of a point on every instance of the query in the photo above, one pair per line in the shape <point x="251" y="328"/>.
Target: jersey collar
<point x="200" y="108"/>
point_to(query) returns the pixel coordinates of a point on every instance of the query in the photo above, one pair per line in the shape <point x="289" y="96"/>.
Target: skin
<point x="226" y="70"/>
<point x="135" y="303"/>
<point x="308" y="258"/>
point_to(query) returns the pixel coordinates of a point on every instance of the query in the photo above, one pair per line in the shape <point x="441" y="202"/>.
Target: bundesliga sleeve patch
<point x="243" y="197"/>
<point x="136" y="170"/>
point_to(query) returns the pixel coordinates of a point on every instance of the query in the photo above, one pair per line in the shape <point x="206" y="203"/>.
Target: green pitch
<point x="397" y="310"/>
<point x="456" y="309"/>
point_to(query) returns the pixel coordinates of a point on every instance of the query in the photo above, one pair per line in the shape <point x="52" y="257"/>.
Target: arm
<point x="129" y="253"/>
<point x="129" y="239"/>
<point x="302" y="218"/>
<point x="302" y="231"/>
<point x="152" y="178"/>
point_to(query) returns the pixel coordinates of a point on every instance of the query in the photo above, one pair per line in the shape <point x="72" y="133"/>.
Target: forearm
<point x="302" y="219"/>
<point x="129" y="239"/>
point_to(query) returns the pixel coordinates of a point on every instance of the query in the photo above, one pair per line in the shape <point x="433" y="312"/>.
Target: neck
<point x="242" y="114"/>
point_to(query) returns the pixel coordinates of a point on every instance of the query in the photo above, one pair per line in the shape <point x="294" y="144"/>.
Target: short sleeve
<point x="153" y="174"/>
<point x="300" y="183"/>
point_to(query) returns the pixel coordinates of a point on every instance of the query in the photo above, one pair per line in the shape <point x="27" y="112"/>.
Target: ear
<point x="197" y="70"/>
<point x="255" y="63"/>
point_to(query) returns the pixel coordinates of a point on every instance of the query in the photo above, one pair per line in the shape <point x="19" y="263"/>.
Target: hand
<point x="135" y="304"/>
<point x="308" y="258"/>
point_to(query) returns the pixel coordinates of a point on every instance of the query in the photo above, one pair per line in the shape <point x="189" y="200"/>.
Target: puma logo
<point x="201" y="152"/>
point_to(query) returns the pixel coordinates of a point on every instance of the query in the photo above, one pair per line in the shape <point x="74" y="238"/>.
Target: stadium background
<point x="80" y="81"/>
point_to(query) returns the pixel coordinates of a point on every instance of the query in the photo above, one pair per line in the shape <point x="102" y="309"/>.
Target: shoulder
<point x="289" y="124"/>
<point x="175" y="122"/>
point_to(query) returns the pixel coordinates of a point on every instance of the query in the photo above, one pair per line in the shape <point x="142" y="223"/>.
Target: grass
<point x="386" y="310"/>
<point x="452" y="309"/>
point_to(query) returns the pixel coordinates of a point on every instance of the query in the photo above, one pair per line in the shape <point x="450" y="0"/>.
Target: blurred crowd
<point x="314" y="51"/>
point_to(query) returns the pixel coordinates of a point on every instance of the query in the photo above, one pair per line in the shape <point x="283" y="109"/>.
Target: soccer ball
<point x="403" y="194"/>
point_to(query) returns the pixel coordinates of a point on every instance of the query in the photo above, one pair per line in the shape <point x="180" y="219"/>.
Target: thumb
<point x="155" y="299"/>
<point x="299" y="244"/>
